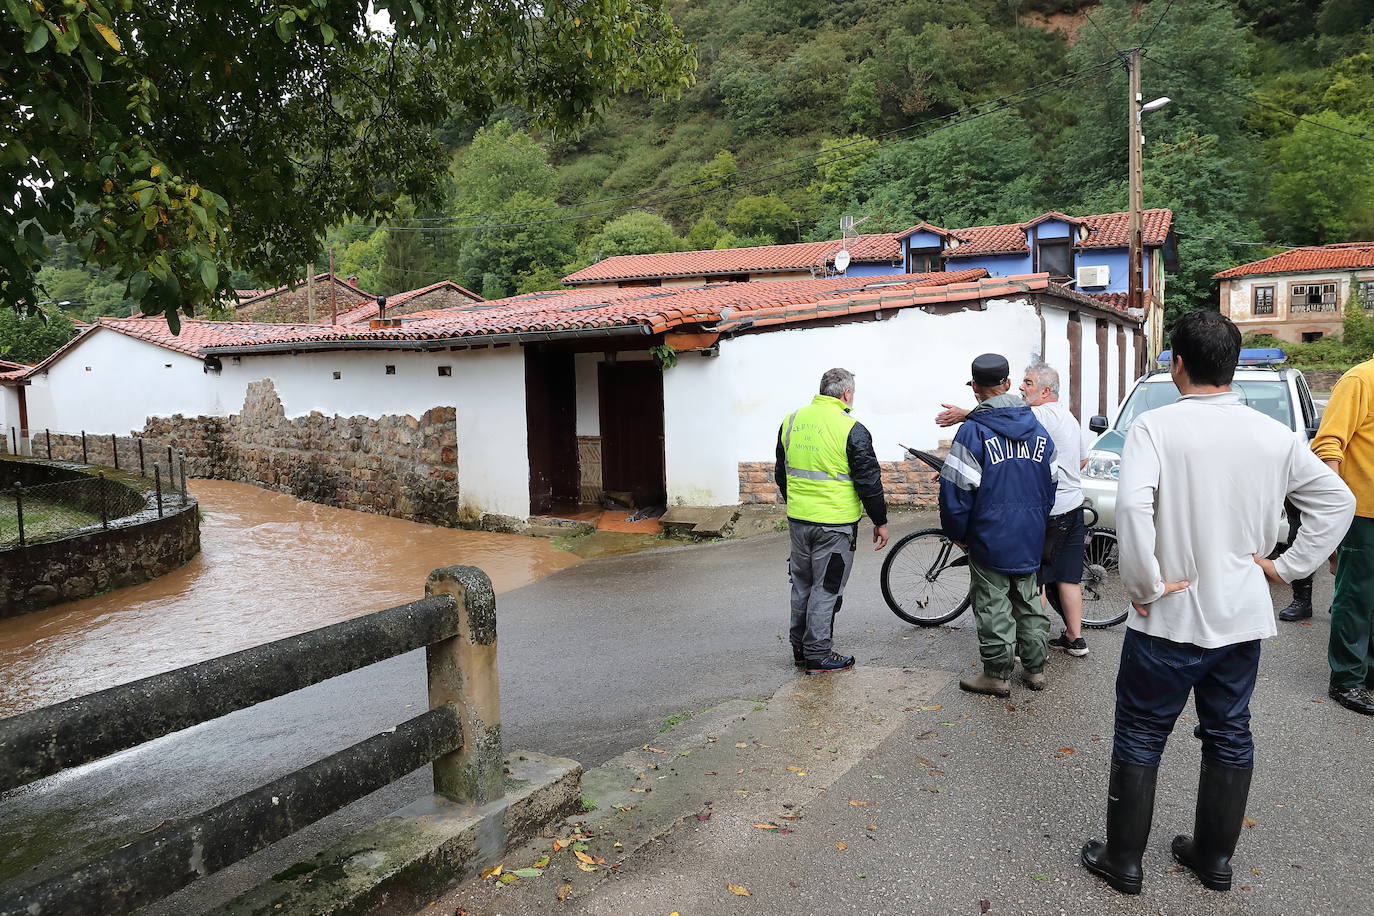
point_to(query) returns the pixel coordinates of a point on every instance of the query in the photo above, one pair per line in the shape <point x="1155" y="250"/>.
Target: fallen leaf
<point x="507" y="878"/>
<point x="585" y="867"/>
<point x="1068" y="750"/>
<point x="925" y="735"/>
<point x="704" y="816"/>
<point x="766" y="826"/>
<point x="791" y="817"/>
<point x="527" y="873"/>
<point x="741" y="744"/>
<point x="557" y="846"/>
<point x="1249" y="822"/>
<point x="933" y="707"/>
<point x="563" y="892"/>
<point x="1040" y="877"/>
<point x="619" y="845"/>
<point x="860" y="804"/>
<point x="492" y="872"/>
<point x="583" y="857"/>
<point x="639" y="790"/>
<point x="1254" y="871"/>
<point x="984" y="905"/>
<point x="541" y="862"/>
<point x="872" y="826"/>
<point x="1173" y="869"/>
<point x="654" y="750"/>
<point x="738" y="890"/>
<point x="841" y="846"/>
<point x="925" y="763"/>
<point x="795" y="769"/>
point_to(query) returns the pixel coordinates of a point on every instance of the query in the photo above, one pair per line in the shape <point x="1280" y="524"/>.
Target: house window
<point x="1364" y="290"/>
<point x="1054" y="257"/>
<point x="923" y="261"/>
<point x="445" y="371"/>
<point x="390" y="370"/>
<point x="1312" y="297"/>
<point x="1311" y="336"/>
<point x="1264" y="300"/>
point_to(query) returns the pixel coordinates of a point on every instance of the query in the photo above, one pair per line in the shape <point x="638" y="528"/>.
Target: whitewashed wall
<point x="110" y="383"/>
<point x="719" y="412"/>
<point x="486" y="386"/>
<point x="9" y="412"/>
<point x="129" y="381"/>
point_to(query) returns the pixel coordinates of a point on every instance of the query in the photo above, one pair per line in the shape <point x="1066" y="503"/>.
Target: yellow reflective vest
<point x="814" y="439"/>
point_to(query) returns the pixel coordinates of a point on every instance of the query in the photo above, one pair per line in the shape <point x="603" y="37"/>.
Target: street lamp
<point x="1135" y="298"/>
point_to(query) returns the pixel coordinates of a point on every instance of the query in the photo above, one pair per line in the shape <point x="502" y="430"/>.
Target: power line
<point x="1332" y="246"/>
<point x="1151" y="34"/>
<point x="1105" y="37"/>
<point x="1084" y="77"/>
<point x="1256" y="102"/>
<point x="1067" y="80"/>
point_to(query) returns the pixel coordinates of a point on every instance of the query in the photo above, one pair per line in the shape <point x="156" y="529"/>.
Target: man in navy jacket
<point x="996" y="492"/>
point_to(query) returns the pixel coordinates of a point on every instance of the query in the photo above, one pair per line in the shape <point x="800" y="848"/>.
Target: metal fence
<point x="42" y="512"/>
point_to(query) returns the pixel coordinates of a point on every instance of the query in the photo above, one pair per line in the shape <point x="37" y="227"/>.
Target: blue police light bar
<point x="1250" y="356"/>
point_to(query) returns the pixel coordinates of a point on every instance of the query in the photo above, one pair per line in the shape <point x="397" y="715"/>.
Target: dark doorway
<point x="551" y="415"/>
<point x="632" y="432"/>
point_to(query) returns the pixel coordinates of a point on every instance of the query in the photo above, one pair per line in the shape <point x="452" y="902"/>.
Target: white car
<point x="1262" y="382"/>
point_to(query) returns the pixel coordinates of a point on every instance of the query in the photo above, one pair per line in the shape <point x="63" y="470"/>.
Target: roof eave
<point x="436" y="343"/>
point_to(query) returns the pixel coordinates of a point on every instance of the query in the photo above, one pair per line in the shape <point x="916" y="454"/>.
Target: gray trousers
<point x="822" y="556"/>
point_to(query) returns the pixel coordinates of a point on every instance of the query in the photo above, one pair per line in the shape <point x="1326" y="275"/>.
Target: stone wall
<point x="444" y="297"/>
<point x="905" y="483"/>
<point x="137" y="547"/>
<point x="391" y="465"/>
<point x="1322" y="379"/>
<point x="293" y="305"/>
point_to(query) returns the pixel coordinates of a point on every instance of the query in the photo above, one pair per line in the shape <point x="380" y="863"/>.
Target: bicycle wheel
<point x="1104" y="597"/>
<point x="925" y="578"/>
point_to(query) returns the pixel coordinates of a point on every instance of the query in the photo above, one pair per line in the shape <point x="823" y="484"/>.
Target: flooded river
<point x="270" y="566"/>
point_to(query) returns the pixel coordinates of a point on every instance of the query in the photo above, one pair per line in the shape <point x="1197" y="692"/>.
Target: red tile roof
<point x="922" y="227"/>
<point x="10" y="371"/>
<point x="1105" y="230"/>
<point x="368" y="310"/>
<point x="882" y="247"/>
<point x="1342" y="256"/>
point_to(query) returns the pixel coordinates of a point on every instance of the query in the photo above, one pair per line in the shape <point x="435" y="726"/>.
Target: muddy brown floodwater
<point x="270" y="566"/>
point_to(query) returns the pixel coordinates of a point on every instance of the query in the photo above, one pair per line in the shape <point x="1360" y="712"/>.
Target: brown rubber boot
<point x="986" y="683"/>
<point x="1034" y="680"/>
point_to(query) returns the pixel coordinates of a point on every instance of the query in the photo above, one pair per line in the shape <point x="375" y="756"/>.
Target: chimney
<point x="353" y="282"/>
<point x="381" y="307"/>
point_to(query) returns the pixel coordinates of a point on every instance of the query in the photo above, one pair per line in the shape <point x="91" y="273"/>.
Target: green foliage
<point x="174" y="142"/>
<point x="764" y="216"/>
<point x="28" y="338"/>
<point x="1324" y="185"/>
<point x="637" y="232"/>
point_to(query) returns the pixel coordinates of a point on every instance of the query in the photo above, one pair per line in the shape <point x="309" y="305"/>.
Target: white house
<point x="1299" y="295"/>
<point x="518" y="407"/>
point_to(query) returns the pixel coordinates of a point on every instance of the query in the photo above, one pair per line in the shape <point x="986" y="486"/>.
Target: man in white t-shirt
<point x="1203" y="481"/>
<point x="1061" y="572"/>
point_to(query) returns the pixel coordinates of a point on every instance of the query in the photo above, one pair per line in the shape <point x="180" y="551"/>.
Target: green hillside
<point x="954" y="111"/>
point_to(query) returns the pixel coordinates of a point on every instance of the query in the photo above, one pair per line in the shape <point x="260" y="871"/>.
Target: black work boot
<point x="1301" y="607"/>
<point x="1221" y="794"/>
<point x="1130" y="808"/>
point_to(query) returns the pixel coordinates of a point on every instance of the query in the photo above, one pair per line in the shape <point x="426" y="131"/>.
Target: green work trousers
<point x="1351" y="650"/>
<point x="1010" y="621"/>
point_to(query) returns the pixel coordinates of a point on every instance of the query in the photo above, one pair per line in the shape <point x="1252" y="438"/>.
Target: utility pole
<point x="333" y="292"/>
<point x="1135" y="299"/>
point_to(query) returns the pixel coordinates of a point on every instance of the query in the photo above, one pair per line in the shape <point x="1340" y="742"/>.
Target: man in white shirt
<point x="1061" y="572"/>
<point x="1199" y="502"/>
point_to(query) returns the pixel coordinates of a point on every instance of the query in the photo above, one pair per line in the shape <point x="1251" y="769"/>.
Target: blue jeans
<point x="1152" y="687"/>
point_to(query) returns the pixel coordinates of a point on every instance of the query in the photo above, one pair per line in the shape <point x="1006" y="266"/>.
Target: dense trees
<point x="802" y="112"/>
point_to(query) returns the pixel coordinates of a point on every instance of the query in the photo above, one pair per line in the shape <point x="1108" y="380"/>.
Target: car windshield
<point x="1268" y="397"/>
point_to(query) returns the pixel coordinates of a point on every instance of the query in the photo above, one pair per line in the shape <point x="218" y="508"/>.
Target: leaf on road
<point x="563" y="892"/>
<point x="507" y="878"/>
<point x="741" y="744"/>
<point x="795" y="769"/>
<point x="1068" y="750"/>
<point x="860" y="804"/>
<point x="704" y="816"/>
<point x="527" y="873"/>
<point x="585" y="867"/>
<point x="557" y="846"/>
<point x="925" y="763"/>
<point x="654" y="750"/>
<point x="541" y="862"/>
<point x="766" y="826"/>
<point x="984" y="905"/>
<point x="933" y="706"/>
<point x="738" y="890"/>
<point x="492" y="872"/>
<point x="841" y="846"/>
<point x="872" y="826"/>
<point x="583" y="857"/>
<point x="1249" y="822"/>
<point x="1256" y="871"/>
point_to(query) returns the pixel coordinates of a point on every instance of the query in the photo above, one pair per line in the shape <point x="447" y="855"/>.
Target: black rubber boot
<point x="1301" y="607"/>
<point x="1130" y="809"/>
<point x="1221" y="795"/>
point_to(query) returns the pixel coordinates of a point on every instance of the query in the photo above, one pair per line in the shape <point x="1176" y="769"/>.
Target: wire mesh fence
<point x="153" y="477"/>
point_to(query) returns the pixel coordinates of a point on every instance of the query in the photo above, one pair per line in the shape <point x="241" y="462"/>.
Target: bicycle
<point x="925" y="578"/>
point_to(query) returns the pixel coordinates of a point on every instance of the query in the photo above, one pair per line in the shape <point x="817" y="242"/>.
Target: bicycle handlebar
<point x="938" y="464"/>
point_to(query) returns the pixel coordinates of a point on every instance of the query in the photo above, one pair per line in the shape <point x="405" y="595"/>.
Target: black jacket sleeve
<point x="780" y="467"/>
<point x="864" y="471"/>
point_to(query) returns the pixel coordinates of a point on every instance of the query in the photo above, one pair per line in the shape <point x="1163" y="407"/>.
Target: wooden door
<point x="551" y="415"/>
<point x="632" y="431"/>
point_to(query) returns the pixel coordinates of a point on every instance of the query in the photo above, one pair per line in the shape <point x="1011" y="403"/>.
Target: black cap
<point x="990" y="369"/>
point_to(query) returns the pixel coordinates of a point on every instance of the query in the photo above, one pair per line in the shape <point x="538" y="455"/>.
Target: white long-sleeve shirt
<point x="1201" y="492"/>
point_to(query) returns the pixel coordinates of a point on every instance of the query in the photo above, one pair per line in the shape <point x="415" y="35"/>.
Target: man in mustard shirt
<point x="829" y="476"/>
<point x="1345" y="442"/>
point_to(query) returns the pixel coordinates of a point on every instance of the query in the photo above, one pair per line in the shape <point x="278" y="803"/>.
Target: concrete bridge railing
<point x="460" y="734"/>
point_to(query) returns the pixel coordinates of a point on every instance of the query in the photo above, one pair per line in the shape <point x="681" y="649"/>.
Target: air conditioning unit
<point x="1094" y="276"/>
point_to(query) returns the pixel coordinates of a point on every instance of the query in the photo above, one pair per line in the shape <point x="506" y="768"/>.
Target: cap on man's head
<point x="990" y="369"/>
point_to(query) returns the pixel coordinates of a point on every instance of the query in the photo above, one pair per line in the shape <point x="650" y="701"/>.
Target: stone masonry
<point x="392" y="465"/>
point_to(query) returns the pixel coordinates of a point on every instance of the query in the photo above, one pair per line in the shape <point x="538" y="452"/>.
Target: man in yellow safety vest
<point x="829" y="477"/>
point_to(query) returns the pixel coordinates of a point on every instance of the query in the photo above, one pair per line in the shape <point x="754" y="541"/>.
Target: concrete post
<point x="462" y="673"/>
